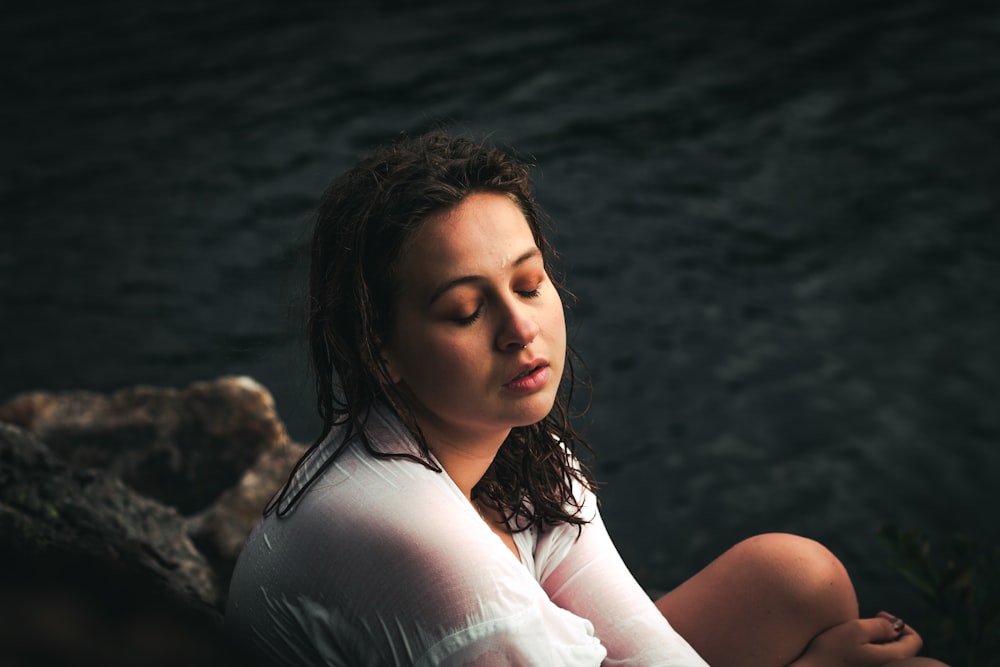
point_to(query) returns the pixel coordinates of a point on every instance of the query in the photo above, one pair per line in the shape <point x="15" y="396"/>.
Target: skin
<point x="476" y="308"/>
<point x="778" y="599"/>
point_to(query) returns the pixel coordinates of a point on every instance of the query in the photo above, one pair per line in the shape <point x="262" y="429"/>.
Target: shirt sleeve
<point x="582" y="572"/>
<point x="424" y="582"/>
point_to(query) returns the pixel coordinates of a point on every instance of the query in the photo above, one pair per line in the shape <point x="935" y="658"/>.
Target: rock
<point x="119" y="533"/>
<point x="50" y="510"/>
<point x="95" y="573"/>
<point x="220" y="531"/>
<point x="181" y="447"/>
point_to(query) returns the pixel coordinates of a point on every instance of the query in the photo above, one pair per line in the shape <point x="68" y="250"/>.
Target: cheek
<point x="447" y="356"/>
<point x="431" y="359"/>
<point x="556" y="323"/>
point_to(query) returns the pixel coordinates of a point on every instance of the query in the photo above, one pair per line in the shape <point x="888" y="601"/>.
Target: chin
<point x="537" y="411"/>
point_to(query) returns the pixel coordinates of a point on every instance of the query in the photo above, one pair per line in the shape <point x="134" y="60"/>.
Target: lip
<point x="530" y="377"/>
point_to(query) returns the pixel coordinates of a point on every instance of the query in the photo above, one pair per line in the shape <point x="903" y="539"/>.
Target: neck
<point x="464" y="453"/>
<point x="465" y="461"/>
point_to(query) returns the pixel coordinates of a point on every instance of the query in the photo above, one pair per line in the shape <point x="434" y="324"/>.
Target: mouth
<point x="527" y="372"/>
<point x="531" y="378"/>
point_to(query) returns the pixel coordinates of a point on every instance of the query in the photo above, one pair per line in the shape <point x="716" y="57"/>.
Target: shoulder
<point x="403" y="566"/>
<point x="556" y="543"/>
<point x="369" y="522"/>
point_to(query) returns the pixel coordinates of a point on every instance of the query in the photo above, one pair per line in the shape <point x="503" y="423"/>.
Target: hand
<point x="864" y="642"/>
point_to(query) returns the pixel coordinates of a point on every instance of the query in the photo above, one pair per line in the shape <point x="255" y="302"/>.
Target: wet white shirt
<point x="384" y="562"/>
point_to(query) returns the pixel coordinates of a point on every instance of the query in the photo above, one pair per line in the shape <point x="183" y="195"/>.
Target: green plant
<point x="962" y="590"/>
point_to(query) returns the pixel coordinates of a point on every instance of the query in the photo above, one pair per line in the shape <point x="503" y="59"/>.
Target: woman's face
<point x="479" y="339"/>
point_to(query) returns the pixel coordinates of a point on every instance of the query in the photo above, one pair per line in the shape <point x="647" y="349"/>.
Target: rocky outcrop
<point x="181" y="447"/>
<point x="220" y="530"/>
<point x="121" y="517"/>
<point x="50" y="510"/>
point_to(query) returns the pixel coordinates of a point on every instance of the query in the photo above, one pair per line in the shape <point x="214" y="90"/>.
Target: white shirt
<point x="385" y="562"/>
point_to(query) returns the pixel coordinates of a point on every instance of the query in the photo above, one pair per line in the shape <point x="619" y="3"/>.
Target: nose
<point x="518" y="327"/>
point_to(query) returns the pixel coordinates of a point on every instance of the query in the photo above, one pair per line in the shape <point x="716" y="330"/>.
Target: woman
<point x="442" y="517"/>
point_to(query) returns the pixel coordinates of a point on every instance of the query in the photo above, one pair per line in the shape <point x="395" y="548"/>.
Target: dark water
<point x="780" y="220"/>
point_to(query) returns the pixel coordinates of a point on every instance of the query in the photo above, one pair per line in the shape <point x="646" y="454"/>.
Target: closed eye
<point x="466" y="321"/>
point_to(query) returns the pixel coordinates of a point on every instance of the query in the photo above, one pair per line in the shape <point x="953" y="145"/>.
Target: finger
<point x="906" y="646"/>
<point x="900" y="625"/>
<point x="897" y="623"/>
<point x="881" y="629"/>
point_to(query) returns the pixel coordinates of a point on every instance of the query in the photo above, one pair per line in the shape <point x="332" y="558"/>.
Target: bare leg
<point x="761" y="602"/>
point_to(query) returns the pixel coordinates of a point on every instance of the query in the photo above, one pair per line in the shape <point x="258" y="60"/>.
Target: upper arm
<point x="411" y="590"/>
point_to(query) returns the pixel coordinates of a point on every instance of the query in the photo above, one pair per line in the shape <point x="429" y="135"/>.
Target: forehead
<point x="485" y="232"/>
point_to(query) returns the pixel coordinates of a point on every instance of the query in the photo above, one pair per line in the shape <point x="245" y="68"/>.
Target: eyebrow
<point x="465" y="280"/>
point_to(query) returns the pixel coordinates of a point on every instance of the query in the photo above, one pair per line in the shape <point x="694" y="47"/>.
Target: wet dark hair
<point x="362" y="226"/>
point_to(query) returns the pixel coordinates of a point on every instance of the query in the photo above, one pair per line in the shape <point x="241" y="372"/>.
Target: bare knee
<point x="802" y="575"/>
<point x="771" y="593"/>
